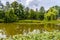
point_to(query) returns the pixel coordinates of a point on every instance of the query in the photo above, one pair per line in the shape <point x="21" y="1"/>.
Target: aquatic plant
<point x="54" y="35"/>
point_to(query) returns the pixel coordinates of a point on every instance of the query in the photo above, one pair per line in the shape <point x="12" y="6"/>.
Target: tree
<point x="20" y="12"/>
<point x="58" y="9"/>
<point x="10" y="16"/>
<point x="41" y="13"/>
<point x="37" y="14"/>
<point x="32" y="14"/>
<point x="14" y="5"/>
<point x="27" y="13"/>
<point x="7" y="6"/>
<point x="2" y="15"/>
<point x="51" y="14"/>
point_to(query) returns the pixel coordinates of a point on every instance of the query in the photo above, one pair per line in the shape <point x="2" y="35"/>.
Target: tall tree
<point x="27" y="13"/>
<point x="41" y="13"/>
<point x="51" y="14"/>
<point x="2" y="14"/>
<point x="32" y="14"/>
<point x="10" y="16"/>
<point x="14" y="5"/>
<point x="7" y="6"/>
<point x="20" y="12"/>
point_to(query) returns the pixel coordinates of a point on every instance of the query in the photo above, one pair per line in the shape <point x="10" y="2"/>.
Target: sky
<point x="36" y="3"/>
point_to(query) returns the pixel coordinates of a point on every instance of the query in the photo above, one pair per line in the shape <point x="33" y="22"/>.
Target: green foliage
<point x="10" y="16"/>
<point x="32" y="14"/>
<point x="54" y="35"/>
<point x="51" y="14"/>
<point x="7" y="6"/>
<point x="20" y="12"/>
<point x="16" y="11"/>
<point x="27" y="13"/>
<point x="2" y="14"/>
<point x="14" y="4"/>
<point x="41" y="13"/>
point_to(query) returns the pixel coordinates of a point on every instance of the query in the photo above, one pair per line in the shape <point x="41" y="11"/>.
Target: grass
<point x="39" y="21"/>
<point x="54" y="35"/>
<point x="29" y="21"/>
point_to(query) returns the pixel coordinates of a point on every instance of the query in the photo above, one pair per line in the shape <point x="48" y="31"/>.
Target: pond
<point x="14" y="28"/>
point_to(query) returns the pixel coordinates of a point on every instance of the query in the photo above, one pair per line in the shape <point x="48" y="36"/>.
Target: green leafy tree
<point x="7" y="6"/>
<point x="51" y="14"/>
<point x="10" y="16"/>
<point x="37" y="14"/>
<point x="58" y="9"/>
<point x="14" y="5"/>
<point x="41" y="13"/>
<point x="2" y="15"/>
<point x="32" y="14"/>
<point x="20" y="12"/>
<point x="27" y="13"/>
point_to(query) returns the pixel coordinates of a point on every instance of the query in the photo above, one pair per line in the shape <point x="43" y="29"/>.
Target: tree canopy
<point x="16" y="11"/>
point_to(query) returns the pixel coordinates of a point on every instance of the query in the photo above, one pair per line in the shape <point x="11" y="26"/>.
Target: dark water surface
<point x="13" y="28"/>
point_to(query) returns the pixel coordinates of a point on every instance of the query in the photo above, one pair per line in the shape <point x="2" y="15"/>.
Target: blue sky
<point x="36" y="3"/>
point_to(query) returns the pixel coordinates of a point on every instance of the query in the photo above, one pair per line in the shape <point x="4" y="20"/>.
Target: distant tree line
<point x="14" y="12"/>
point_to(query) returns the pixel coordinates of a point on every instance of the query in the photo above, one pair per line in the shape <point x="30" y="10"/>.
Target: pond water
<point x="13" y="28"/>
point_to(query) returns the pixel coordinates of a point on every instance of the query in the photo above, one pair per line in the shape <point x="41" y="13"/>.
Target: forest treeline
<point x="16" y="11"/>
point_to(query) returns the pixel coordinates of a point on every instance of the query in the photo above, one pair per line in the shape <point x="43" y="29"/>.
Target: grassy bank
<point x="36" y="21"/>
<point x="39" y="21"/>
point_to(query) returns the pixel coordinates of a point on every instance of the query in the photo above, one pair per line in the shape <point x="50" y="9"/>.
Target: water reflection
<point x="12" y="29"/>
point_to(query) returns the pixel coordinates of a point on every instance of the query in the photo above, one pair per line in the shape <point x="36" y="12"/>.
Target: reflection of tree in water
<point x="26" y="28"/>
<point x="13" y="29"/>
<point x="51" y="27"/>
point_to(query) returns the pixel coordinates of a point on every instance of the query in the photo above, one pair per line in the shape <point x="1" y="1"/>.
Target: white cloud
<point x="28" y="2"/>
<point x="10" y="1"/>
<point x="35" y="3"/>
